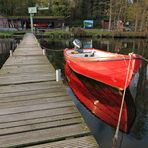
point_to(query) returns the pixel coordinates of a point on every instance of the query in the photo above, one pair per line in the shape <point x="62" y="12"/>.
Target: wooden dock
<point x="35" y="110"/>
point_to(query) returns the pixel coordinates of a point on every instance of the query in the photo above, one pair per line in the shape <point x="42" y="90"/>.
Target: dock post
<point x="58" y="75"/>
<point x="11" y="53"/>
<point x="44" y="51"/>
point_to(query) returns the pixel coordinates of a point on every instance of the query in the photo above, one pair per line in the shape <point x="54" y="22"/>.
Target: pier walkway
<point x="35" y="110"/>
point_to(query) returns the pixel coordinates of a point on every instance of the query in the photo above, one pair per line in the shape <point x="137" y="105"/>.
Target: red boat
<point x="87" y="69"/>
<point x="102" y="100"/>
<point x="105" y="67"/>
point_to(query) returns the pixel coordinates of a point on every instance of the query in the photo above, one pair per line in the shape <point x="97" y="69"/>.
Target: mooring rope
<point x="115" y="138"/>
<point x="49" y="49"/>
<point x="144" y="59"/>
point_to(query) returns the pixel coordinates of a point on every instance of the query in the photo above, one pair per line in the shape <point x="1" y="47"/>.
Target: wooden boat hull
<point x="102" y="100"/>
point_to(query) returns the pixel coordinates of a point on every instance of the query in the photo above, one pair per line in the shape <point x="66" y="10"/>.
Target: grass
<point x="77" y="31"/>
<point x="57" y="32"/>
<point x="6" y="33"/>
<point x="96" y="32"/>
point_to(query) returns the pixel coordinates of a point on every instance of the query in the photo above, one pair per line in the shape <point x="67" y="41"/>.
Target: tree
<point x="61" y="7"/>
<point x="15" y="7"/>
<point x="135" y="12"/>
<point x="144" y="16"/>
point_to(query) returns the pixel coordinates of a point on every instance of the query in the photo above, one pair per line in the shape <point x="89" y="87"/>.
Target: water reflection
<point x="103" y="133"/>
<point x="5" y="46"/>
<point x="140" y="128"/>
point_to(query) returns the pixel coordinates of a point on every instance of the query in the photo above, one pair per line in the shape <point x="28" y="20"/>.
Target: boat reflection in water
<point x="140" y="127"/>
<point x="102" y="100"/>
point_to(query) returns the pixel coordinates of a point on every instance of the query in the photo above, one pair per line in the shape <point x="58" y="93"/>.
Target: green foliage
<point x="136" y="13"/>
<point x="78" y="32"/>
<point x="6" y="33"/>
<point x="133" y="12"/>
<point x="57" y="32"/>
<point x="15" y="7"/>
<point x="60" y="7"/>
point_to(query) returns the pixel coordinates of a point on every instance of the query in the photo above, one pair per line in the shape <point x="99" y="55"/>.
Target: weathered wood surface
<point x="35" y="110"/>
<point x="82" y="142"/>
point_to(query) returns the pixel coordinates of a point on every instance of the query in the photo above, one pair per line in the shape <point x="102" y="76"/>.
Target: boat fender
<point x="86" y="55"/>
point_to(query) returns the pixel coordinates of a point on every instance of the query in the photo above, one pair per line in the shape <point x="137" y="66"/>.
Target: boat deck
<point x="35" y="110"/>
<point x="93" y="53"/>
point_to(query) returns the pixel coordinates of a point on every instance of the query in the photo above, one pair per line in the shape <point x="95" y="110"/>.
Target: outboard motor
<point x="77" y="46"/>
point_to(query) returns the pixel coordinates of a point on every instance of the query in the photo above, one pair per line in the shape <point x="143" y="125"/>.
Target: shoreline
<point x="76" y="32"/>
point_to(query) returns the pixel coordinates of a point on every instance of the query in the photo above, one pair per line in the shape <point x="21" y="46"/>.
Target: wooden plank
<point x="24" y="60"/>
<point x="39" y="126"/>
<point x="26" y="103"/>
<point x="70" y="115"/>
<point x="36" y="107"/>
<point x="37" y="114"/>
<point x="26" y="52"/>
<point x="30" y="86"/>
<point x="80" y="142"/>
<point x="25" y="44"/>
<point x="26" y="68"/>
<point x="29" y="47"/>
<point x="33" y="92"/>
<point x="7" y="80"/>
<point x="32" y="97"/>
<point x="24" y="74"/>
<point x="40" y="136"/>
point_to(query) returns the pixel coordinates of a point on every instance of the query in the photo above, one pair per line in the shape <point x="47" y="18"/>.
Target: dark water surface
<point x="5" y="46"/>
<point x="138" y="135"/>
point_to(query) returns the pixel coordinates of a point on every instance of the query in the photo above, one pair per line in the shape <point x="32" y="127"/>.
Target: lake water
<point x="138" y="135"/>
<point x="5" y="46"/>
